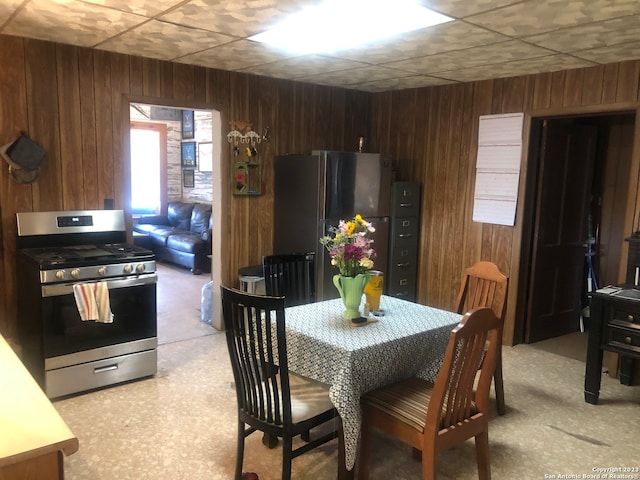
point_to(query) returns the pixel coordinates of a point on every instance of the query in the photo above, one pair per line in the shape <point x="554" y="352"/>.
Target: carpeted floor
<point x="573" y="345"/>
<point x="181" y="423"/>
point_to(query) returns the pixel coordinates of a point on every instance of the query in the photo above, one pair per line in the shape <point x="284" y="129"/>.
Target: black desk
<point x="614" y="326"/>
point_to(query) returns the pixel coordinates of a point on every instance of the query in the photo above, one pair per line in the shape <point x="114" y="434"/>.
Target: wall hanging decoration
<point x="188" y="178"/>
<point x="24" y="157"/>
<point x="247" y="177"/>
<point x="188" y="125"/>
<point x="242" y="133"/>
<point x="188" y="154"/>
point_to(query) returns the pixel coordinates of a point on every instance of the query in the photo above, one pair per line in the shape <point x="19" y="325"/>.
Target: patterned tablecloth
<point x="409" y="340"/>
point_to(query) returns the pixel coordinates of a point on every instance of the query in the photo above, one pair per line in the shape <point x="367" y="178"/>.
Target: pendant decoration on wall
<point x="24" y="157"/>
<point x="241" y="133"/>
<point x="247" y="178"/>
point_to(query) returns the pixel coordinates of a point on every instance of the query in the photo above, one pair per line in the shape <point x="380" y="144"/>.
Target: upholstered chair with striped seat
<point x="432" y="417"/>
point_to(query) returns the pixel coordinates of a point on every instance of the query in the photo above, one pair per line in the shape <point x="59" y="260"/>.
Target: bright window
<point x="146" y="164"/>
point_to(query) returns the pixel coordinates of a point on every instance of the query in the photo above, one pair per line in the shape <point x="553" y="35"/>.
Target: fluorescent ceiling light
<point x="342" y="24"/>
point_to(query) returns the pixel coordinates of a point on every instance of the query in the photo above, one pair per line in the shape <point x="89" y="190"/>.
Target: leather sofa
<point x="182" y="236"/>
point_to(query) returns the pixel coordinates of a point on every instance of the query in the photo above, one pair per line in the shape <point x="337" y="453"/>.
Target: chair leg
<point x="482" y="455"/>
<point x="269" y="441"/>
<point x="428" y="461"/>
<point x="239" y="451"/>
<point x="499" y="385"/>
<point x="416" y="454"/>
<point x="287" y="446"/>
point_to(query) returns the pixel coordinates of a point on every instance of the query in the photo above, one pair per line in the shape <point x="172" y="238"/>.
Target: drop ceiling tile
<point x="139" y="7"/>
<point x="549" y="63"/>
<point x="464" y="8"/>
<point x="164" y="41"/>
<point x="445" y="37"/>
<point x="472" y="57"/>
<point x="614" y="53"/>
<point x="535" y="16"/>
<point x="239" y="17"/>
<point x="594" y="35"/>
<point x="71" y="22"/>
<point x="303" y="66"/>
<point x="6" y="9"/>
<point x="234" y="56"/>
<point x="355" y="75"/>
<point x="402" y="83"/>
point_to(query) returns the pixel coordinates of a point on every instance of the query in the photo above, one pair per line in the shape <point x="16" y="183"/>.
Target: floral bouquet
<point x="350" y="247"/>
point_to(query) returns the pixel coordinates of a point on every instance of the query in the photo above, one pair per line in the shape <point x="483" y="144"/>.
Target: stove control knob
<point x="140" y="268"/>
<point x="127" y="268"/>
<point x="75" y="273"/>
<point x="102" y="271"/>
<point x="60" y="275"/>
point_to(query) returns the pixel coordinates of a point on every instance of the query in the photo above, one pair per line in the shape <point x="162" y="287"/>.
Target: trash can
<point x="251" y="279"/>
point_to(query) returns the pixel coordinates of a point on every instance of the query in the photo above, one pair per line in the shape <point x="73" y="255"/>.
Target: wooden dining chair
<point x="291" y="276"/>
<point x="483" y="285"/>
<point x="270" y="399"/>
<point x="432" y="417"/>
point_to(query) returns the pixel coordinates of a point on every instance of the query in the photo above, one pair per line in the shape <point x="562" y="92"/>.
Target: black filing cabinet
<point x="404" y="240"/>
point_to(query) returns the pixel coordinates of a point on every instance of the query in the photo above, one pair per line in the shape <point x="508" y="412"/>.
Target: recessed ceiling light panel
<point x="342" y="24"/>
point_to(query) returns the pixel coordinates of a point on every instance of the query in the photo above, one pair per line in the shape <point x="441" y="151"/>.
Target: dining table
<point x="407" y="339"/>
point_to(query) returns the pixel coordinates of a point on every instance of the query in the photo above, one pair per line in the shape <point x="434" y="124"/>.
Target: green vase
<point x="351" y="290"/>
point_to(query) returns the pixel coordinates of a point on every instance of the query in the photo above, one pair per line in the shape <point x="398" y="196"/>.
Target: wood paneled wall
<point x="432" y="134"/>
<point x="71" y="101"/>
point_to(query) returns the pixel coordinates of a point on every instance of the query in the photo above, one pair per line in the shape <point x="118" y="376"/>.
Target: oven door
<point x="133" y="304"/>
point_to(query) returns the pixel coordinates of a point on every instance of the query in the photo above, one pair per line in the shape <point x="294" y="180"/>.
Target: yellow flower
<point x="351" y="226"/>
<point x="359" y="219"/>
<point x="366" y="263"/>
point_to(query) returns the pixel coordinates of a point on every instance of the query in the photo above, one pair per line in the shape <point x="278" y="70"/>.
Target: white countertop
<point x="29" y="423"/>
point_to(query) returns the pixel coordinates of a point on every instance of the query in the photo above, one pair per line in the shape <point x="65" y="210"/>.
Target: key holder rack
<point x="247" y="177"/>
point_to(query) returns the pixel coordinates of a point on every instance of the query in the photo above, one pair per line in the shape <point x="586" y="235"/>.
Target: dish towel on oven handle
<point x="92" y="300"/>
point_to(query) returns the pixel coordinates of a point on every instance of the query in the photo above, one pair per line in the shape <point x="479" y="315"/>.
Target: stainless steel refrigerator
<point x="314" y="192"/>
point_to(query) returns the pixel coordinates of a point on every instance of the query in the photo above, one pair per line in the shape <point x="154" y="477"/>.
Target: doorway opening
<point x="576" y="202"/>
<point x="195" y="180"/>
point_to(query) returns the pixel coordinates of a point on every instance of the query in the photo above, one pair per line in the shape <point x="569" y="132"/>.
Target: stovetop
<point x="87" y="255"/>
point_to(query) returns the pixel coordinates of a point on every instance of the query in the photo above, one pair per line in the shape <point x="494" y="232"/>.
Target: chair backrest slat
<point x="291" y="276"/>
<point x="483" y="285"/>
<point x="472" y="344"/>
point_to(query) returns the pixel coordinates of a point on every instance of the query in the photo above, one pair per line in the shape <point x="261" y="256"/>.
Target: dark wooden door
<point x="565" y="176"/>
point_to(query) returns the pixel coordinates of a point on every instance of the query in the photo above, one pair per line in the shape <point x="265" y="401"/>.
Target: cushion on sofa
<point x="161" y="234"/>
<point x="153" y="220"/>
<point x="186" y="242"/>
<point x="179" y="215"/>
<point x="200" y="218"/>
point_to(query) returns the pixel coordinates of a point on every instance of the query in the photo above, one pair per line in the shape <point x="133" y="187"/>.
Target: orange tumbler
<point x="373" y="289"/>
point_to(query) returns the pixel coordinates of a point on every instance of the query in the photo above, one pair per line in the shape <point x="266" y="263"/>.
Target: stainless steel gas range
<point x="64" y="353"/>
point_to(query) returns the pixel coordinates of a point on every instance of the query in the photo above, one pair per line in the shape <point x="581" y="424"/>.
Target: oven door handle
<point x="126" y="282"/>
